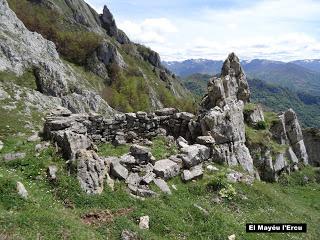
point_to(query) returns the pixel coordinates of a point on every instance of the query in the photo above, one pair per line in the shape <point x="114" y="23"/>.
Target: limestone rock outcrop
<point x="254" y="116"/>
<point x="312" y="141"/>
<point x="102" y="60"/>
<point x="230" y="86"/>
<point x="22" y="50"/>
<point x="222" y="114"/>
<point x="295" y="137"/>
<point x="91" y="171"/>
<point x="108" y="23"/>
<point x="286" y="132"/>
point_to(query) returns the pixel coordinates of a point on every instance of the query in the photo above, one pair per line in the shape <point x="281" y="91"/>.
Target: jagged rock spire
<point x="231" y="85"/>
<point x="232" y="66"/>
<point x="108" y="22"/>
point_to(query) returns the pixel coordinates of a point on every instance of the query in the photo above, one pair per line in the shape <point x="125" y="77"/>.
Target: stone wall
<point x="62" y="126"/>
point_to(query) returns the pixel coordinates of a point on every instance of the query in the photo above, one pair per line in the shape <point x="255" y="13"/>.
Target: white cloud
<point x="149" y="31"/>
<point x="272" y="29"/>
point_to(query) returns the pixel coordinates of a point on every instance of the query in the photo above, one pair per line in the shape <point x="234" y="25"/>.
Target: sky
<point x="283" y="30"/>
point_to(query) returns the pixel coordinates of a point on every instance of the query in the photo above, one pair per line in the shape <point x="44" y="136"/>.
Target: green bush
<point x="262" y="125"/>
<point x="77" y="46"/>
<point x="128" y="94"/>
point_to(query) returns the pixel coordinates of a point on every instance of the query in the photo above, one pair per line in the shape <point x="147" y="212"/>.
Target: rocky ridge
<point x="22" y="50"/>
<point x="216" y="134"/>
<point x="114" y="54"/>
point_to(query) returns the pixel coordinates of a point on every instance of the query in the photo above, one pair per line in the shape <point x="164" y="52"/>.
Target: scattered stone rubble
<point x="216" y="134"/>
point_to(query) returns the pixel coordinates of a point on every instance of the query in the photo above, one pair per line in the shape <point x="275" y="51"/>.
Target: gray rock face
<point x="91" y="171"/>
<point x="21" y="50"/>
<point x="194" y="154"/>
<point x="166" y="169"/>
<point x="194" y="173"/>
<point x="224" y="124"/>
<point x="312" y="141"/>
<point x="287" y="132"/>
<point x="72" y="142"/>
<point x="109" y="24"/>
<point x="102" y="59"/>
<point x="230" y="86"/>
<point x="294" y="134"/>
<point x="150" y="56"/>
<point x="254" y="116"/>
<point x="222" y="115"/>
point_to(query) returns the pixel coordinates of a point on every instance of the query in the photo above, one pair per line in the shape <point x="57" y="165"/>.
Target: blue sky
<point x="182" y="29"/>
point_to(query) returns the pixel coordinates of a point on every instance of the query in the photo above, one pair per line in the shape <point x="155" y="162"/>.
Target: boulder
<point x="162" y="185"/>
<point x="148" y="178"/>
<point x="133" y="179"/>
<point x="144" y="222"/>
<point x="91" y="171"/>
<point x="72" y="142"/>
<point x="166" y="169"/>
<point x="119" y="171"/>
<point x="22" y="190"/>
<point x="127" y="159"/>
<point x="194" y="154"/>
<point x="182" y="142"/>
<point x="141" y="154"/>
<point x="205" y="140"/>
<point x="13" y="156"/>
<point x="194" y="173"/>
<point x="1" y="145"/>
<point x="52" y="172"/>
<point x="129" y="235"/>
<point x="186" y="116"/>
<point x="234" y="177"/>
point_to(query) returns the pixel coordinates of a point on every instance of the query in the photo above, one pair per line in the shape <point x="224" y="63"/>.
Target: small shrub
<point x="228" y="192"/>
<point x="261" y="125"/>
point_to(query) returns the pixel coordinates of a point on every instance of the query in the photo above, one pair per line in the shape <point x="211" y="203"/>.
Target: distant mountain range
<point x="206" y="66"/>
<point x="302" y="75"/>
<point x="272" y="96"/>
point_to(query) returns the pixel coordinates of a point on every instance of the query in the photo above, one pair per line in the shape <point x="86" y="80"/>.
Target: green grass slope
<point x="60" y="210"/>
<point x="56" y="211"/>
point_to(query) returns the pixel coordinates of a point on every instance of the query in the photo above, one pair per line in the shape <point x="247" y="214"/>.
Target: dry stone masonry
<point x="215" y="134"/>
